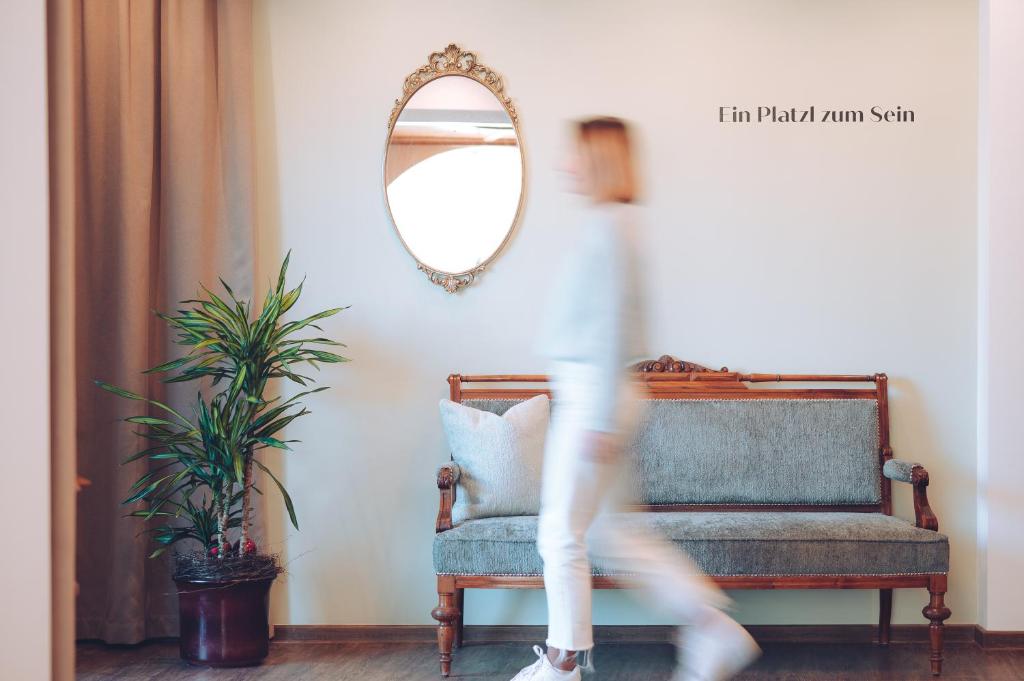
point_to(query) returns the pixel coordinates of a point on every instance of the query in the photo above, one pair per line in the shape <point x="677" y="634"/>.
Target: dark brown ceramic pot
<point x="224" y="624"/>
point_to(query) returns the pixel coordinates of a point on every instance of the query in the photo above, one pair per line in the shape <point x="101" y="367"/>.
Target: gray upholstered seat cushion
<point x="722" y="543"/>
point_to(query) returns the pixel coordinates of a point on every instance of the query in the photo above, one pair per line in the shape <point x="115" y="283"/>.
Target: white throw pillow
<point x="500" y="458"/>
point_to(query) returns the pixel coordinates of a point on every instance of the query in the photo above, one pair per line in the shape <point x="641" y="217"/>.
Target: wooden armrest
<point x="447" y="476"/>
<point x="915" y="475"/>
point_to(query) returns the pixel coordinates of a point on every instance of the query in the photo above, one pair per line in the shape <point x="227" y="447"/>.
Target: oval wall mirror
<point x="454" y="177"/>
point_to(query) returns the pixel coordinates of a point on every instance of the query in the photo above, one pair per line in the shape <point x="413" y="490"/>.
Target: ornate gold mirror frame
<point x="454" y="61"/>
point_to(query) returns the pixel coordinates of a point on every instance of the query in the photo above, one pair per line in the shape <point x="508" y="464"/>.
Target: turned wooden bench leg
<point x="447" y="614"/>
<point x="936" y="612"/>
<point x="460" y="599"/>
<point x="884" y="616"/>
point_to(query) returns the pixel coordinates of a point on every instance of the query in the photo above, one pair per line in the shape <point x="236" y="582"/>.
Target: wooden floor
<point x="304" y="661"/>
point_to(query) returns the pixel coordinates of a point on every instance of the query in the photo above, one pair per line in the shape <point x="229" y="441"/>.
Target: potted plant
<point x="200" y="485"/>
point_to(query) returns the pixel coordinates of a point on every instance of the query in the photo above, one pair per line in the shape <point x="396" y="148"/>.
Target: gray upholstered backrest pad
<point x="753" y="451"/>
<point x="759" y="451"/>
<point x="494" y="406"/>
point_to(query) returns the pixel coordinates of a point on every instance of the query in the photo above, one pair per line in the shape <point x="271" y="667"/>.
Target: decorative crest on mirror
<point x="451" y="283"/>
<point x="452" y="60"/>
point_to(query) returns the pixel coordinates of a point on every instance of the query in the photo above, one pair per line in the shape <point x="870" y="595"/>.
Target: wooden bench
<point x="811" y="454"/>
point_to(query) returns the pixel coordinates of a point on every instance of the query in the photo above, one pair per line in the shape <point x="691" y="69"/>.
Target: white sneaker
<point x="542" y="670"/>
<point x="715" y="649"/>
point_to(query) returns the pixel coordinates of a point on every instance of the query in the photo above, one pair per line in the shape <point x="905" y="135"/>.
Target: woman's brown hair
<point x="606" y="151"/>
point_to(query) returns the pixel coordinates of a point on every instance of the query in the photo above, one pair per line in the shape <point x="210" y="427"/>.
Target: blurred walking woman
<point x="595" y="329"/>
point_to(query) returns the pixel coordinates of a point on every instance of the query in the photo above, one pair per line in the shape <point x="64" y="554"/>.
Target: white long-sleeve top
<point x="596" y="316"/>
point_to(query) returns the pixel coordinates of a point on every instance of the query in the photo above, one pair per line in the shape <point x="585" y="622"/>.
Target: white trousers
<point x="580" y="521"/>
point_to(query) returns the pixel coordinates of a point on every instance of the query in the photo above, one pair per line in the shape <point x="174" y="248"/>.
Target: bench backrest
<point x="713" y="439"/>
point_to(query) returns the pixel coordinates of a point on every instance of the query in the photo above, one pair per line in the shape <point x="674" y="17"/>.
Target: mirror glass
<point x="453" y="174"/>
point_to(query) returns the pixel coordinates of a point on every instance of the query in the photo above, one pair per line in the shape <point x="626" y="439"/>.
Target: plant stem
<point x="246" y="503"/>
<point x="222" y="520"/>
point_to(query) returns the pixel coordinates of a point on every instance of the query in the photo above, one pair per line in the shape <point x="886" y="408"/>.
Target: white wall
<point x="25" y="633"/>
<point x="803" y="248"/>
<point x="1001" y="317"/>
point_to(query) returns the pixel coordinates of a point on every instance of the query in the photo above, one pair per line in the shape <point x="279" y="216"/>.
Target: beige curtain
<point x="152" y="192"/>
